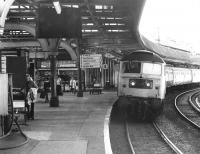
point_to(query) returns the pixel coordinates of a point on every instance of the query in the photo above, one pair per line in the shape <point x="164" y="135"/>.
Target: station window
<point x="75" y="6"/>
<point x="113" y="23"/>
<point x="90" y="24"/>
<point x="14" y="7"/>
<point x="94" y="30"/>
<point x="98" y="6"/>
<point x="105" y="7"/>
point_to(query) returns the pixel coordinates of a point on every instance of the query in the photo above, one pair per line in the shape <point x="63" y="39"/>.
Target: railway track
<point x="181" y="132"/>
<point x="189" y="109"/>
<point x="132" y="137"/>
<point x="146" y="138"/>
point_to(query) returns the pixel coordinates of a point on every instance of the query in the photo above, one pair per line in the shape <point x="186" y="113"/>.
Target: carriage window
<point x="132" y="67"/>
<point x="149" y="68"/>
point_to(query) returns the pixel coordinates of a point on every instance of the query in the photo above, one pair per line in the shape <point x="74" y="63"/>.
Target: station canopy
<point x="110" y="26"/>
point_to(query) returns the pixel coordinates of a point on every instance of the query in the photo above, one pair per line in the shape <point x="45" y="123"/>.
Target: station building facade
<point x="105" y="73"/>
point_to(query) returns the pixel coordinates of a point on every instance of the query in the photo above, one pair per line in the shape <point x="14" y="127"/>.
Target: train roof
<point x="143" y="55"/>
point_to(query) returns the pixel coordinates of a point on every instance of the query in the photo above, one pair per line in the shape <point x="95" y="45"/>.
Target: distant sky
<point x="173" y="22"/>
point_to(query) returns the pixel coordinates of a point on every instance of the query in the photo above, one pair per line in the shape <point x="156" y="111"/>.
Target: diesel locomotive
<point x="142" y="82"/>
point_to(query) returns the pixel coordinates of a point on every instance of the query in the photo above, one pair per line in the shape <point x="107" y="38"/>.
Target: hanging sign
<point x="91" y="60"/>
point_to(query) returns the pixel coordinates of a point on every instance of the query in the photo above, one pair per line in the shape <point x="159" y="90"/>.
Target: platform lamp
<point x="75" y="45"/>
<point x="57" y="6"/>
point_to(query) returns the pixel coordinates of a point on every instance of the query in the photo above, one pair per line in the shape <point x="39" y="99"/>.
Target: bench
<point x="96" y="89"/>
<point x="20" y="109"/>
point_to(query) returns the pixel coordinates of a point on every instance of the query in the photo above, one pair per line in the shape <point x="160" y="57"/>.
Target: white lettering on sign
<point x="91" y="61"/>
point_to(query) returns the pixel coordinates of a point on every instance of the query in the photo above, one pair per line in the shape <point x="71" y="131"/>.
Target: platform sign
<point x="91" y="61"/>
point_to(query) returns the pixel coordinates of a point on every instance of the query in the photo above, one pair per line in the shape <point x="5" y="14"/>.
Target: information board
<point x="91" y="60"/>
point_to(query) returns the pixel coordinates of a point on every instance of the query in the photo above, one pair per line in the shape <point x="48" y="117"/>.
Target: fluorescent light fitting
<point x="1" y="30"/>
<point x="57" y="6"/>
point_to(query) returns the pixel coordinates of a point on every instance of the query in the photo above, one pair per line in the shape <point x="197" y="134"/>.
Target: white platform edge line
<point x="107" y="145"/>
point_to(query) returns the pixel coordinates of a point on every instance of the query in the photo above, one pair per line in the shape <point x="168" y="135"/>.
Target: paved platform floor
<point x="75" y="127"/>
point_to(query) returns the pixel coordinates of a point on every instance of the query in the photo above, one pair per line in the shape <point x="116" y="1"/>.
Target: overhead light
<point x="74" y="45"/>
<point x="57" y="6"/>
<point x="1" y="30"/>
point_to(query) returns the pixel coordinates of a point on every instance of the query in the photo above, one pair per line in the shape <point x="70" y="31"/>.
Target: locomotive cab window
<point x="150" y="68"/>
<point x="131" y="67"/>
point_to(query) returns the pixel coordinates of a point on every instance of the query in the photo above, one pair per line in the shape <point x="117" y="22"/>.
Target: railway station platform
<point x="75" y="127"/>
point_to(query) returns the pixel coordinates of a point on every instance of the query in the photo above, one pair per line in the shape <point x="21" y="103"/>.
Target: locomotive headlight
<point x="132" y="83"/>
<point x="148" y="84"/>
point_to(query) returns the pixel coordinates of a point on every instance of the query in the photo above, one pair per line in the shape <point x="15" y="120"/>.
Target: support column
<point x="53" y="47"/>
<point x="78" y="51"/>
<point x="102" y="77"/>
<point x="0" y="63"/>
<point x="54" y="101"/>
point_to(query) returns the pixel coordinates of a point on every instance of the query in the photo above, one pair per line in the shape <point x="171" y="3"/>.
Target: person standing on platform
<point x="31" y="95"/>
<point x="46" y="89"/>
<point x="59" y="86"/>
<point x="93" y="82"/>
<point x="72" y="84"/>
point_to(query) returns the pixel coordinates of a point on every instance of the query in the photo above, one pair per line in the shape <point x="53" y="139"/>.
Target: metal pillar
<point x="53" y="48"/>
<point x="78" y="51"/>
<point x="54" y="102"/>
<point x="0" y="63"/>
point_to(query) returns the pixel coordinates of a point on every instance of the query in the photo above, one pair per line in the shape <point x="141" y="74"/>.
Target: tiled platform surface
<point x="75" y="127"/>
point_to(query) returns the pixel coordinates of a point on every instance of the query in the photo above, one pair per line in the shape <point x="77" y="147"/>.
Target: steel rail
<point x="181" y="113"/>
<point x="167" y="140"/>
<point x="192" y="103"/>
<point x="129" y="139"/>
